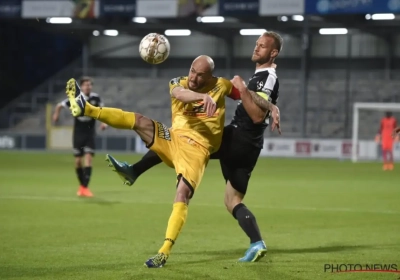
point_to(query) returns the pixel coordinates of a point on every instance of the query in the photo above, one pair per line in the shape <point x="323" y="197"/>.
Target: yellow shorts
<point x="182" y="153"/>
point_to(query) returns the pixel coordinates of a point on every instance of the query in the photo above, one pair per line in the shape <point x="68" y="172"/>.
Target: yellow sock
<point x="111" y="116"/>
<point x="175" y="224"/>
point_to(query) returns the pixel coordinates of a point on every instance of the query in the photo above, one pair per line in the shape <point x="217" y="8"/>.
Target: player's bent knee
<point x="145" y="128"/>
<point x="231" y="203"/>
<point x="78" y="162"/>
<point x="142" y="122"/>
<point x="88" y="160"/>
<point x="184" y="191"/>
<point x="232" y="197"/>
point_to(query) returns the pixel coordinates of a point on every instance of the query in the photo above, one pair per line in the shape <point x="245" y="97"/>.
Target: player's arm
<point x="256" y="104"/>
<point x="59" y="106"/>
<point x="260" y="99"/>
<point x="186" y="95"/>
<point x="178" y="91"/>
<point x="234" y="93"/>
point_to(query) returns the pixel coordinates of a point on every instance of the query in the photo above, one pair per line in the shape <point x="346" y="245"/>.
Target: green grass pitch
<point x="311" y="213"/>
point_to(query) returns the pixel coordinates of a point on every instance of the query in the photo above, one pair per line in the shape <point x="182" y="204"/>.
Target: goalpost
<point x="382" y="107"/>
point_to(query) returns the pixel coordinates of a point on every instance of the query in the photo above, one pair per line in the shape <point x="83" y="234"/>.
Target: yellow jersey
<point x="190" y="119"/>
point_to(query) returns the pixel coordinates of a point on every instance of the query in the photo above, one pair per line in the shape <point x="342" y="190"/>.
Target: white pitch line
<point x="127" y="201"/>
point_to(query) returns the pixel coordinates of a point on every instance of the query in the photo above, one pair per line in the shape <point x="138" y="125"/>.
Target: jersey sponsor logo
<point x="196" y="109"/>
<point x="163" y="131"/>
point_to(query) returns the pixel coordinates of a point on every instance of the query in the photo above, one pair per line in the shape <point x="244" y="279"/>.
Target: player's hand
<point x="238" y="83"/>
<point x="55" y="118"/>
<point x="103" y="126"/>
<point x="276" y="122"/>
<point x="209" y="105"/>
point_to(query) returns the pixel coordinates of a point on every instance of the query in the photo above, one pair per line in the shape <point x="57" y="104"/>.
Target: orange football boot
<point x="85" y="192"/>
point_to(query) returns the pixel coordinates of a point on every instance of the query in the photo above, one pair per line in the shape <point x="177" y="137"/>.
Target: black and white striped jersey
<point x="265" y="83"/>
<point x="85" y="124"/>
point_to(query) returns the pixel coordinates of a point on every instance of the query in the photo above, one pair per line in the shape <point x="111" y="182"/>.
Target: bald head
<point x="200" y="72"/>
<point x="204" y="63"/>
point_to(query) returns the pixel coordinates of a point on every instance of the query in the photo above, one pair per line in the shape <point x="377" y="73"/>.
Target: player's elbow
<point x="257" y="119"/>
<point x="179" y="96"/>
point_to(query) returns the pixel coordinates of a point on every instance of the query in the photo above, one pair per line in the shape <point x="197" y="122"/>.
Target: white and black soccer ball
<point x="154" y="48"/>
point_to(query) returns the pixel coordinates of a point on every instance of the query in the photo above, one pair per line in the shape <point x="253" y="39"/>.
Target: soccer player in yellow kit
<point x="198" y="117"/>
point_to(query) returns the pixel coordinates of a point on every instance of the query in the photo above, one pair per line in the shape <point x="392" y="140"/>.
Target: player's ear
<point x="274" y="53"/>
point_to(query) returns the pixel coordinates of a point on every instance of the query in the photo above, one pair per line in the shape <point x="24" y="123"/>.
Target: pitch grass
<point x="311" y="212"/>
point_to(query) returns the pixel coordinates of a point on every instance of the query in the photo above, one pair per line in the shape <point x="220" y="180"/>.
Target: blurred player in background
<point x="198" y="113"/>
<point x="83" y="136"/>
<point x="384" y="137"/>
<point x="242" y="140"/>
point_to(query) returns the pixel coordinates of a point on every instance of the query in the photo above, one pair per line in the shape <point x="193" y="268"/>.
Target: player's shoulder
<point x="266" y="72"/>
<point x="178" y="80"/>
<point x="224" y="82"/>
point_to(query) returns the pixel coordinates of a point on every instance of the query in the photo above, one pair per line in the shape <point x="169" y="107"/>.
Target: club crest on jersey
<point x="215" y="89"/>
<point x="176" y="81"/>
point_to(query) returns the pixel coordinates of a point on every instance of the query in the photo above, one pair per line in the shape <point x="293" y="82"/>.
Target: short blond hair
<point x="278" y="41"/>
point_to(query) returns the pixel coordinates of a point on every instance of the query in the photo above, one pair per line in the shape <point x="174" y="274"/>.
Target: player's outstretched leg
<point x="129" y="173"/>
<point x="112" y="116"/>
<point x="248" y="223"/>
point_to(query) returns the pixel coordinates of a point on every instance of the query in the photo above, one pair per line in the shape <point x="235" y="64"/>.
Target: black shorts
<point x="238" y="157"/>
<point x="84" y="143"/>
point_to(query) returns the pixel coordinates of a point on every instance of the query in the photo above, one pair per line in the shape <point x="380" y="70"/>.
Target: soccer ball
<point x="154" y="48"/>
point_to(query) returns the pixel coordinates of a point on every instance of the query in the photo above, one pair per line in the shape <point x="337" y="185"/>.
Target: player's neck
<point x="264" y="65"/>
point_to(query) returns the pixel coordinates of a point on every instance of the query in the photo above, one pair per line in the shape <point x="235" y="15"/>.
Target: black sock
<point x="80" y="175"/>
<point x="149" y="160"/>
<point x="88" y="172"/>
<point x="247" y="222"/>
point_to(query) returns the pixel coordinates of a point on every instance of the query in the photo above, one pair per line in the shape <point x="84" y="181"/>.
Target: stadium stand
<point x="326" y="109"/>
